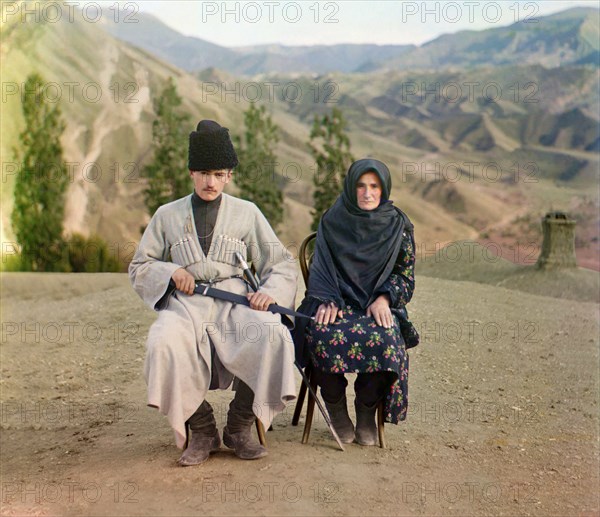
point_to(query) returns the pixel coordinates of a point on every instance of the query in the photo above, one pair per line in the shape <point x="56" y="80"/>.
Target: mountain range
<point x="484" y="131"/>
<point x="569" y="37"/>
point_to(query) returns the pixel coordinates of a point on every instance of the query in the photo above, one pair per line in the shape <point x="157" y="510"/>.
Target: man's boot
<point x="237" y="434"/>
<point x="243" y="444"/>
<point x="204" y="436"/>
<point x="366" y="427"/>
<point x="340" y="419"/>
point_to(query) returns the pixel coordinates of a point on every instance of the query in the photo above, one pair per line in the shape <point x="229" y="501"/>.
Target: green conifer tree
<point x="330" y="147"/>
<point x="168" y="176"/>
<point x="41" y="185"/>
<point x="255" y="176"/>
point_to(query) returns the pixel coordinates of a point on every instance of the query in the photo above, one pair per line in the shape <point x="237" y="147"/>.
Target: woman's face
<point x="368" y="191"/>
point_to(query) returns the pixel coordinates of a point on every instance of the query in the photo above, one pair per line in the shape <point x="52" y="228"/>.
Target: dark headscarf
<point x="356" y="249"/>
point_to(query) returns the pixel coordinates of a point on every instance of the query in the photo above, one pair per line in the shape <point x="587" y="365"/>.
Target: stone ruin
<point x="558" y="246"/>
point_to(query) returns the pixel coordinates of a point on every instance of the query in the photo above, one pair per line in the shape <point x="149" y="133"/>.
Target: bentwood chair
<point x="305" y="256"/>
<point x="260" y="431"/>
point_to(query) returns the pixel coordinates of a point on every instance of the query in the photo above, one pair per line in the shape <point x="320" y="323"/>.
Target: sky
<point x="311" y="22"/>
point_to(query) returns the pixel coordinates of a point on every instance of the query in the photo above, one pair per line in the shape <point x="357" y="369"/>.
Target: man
<point x="199" y="343"/>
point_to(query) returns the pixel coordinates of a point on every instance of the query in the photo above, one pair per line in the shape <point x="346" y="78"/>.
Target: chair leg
<point x="260" y="430"/>
<point x="299" y="404"/>
<point x="381" y="423"/>
<point x="187" y="436"/>
<point x="310" y="409"/>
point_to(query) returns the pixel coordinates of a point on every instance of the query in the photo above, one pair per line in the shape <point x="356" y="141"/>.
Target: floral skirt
<point x="356" y="344"/>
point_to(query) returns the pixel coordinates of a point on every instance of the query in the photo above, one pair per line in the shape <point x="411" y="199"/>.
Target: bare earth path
<point x="503" y="416"/>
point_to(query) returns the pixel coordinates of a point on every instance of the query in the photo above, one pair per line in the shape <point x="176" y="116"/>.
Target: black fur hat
<point x="211" y="148"/>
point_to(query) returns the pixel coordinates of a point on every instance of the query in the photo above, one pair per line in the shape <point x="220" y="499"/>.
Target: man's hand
<point x="184" y="281"/>
<point x="380" y="310"/>
<point x="259" y="301"/>
<point x="326" y="313"/>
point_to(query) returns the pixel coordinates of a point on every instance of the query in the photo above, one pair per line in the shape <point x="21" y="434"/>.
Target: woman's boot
<point x="340" y="419"/>
<point x="366" y="427"/>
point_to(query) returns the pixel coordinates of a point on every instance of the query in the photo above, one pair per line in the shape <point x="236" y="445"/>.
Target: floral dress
<point x="356" y="344"/>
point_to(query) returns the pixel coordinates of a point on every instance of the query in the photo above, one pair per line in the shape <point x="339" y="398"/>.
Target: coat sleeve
<point x="401" y="283"/>
<point x="150" y="270"/>
<point x="275" y="266"/>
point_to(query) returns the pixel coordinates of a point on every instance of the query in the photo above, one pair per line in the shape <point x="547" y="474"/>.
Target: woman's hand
<point x="184" y="281"/>
<point x="326" y="313"/>
<point x="380" y="310"/>
<point x="259" y="301"/>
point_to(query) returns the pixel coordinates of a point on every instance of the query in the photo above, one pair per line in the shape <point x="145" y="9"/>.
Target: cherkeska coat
<point x="251" y="345"/>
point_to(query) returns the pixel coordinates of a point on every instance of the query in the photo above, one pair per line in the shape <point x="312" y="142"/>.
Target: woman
<point x="361" y="278"/>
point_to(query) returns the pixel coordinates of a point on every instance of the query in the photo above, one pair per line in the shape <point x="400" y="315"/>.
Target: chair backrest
<point x="305" y="255"/>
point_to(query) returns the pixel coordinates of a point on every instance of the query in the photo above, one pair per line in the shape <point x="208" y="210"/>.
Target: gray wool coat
<point x="251" y="345"/>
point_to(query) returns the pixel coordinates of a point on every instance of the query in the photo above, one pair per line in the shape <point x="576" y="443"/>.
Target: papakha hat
<point x="211" y="148"/>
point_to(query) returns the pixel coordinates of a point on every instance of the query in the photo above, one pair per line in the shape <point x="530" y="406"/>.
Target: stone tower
<point x="558" y="247"/>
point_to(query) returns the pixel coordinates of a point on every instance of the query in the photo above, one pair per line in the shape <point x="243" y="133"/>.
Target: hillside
<point x="569" y="37"/>
<point x="470" y="261"/>
<point x="481" y="166"/>
<point x="194" y="54"/>
<point x="473" y="151"/>
<point x="108" y="114"/>
<point x="153" y="36"/>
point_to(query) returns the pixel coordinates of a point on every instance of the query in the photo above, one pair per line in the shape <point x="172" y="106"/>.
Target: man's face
<point x="209" y="184"/>
<point x="368" y="191"/>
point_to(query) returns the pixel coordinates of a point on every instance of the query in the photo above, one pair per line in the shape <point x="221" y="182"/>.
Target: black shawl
<point x="355" y="249"/>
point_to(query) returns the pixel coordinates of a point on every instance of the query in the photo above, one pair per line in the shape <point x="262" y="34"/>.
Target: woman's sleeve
<point x="401" y="283"/>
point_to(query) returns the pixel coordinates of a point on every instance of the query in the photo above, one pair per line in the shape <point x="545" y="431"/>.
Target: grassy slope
<point x="469" y="260"/>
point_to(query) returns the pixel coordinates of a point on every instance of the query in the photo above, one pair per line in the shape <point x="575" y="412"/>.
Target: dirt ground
<point x="503" y="416"/>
